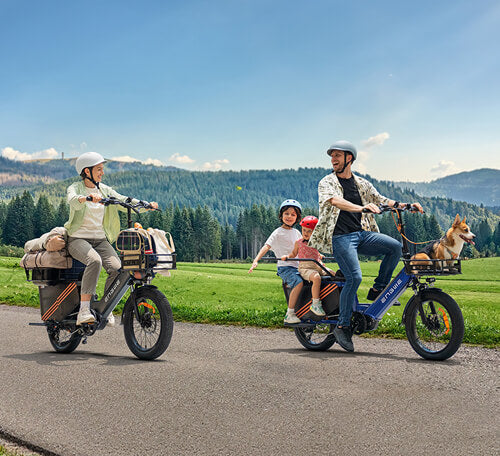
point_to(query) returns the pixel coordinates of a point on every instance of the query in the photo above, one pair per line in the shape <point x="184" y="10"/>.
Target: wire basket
<point x="421" y="267"/>
<point x="139" y="261"/>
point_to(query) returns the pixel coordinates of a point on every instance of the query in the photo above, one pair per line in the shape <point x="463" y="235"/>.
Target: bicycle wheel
<point x="148" y="334"/>
<point x="436" y="329"/>
<point x="317" y="338"/>
<point x="63" y="340"/>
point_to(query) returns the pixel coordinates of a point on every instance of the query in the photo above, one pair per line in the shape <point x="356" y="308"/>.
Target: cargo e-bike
<point x="146" y="317"/>
<point x="432" y="319"/>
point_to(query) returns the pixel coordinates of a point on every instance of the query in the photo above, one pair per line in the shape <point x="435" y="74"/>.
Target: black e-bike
<point x="433" y="320"/>
<point x="147" y="317"/>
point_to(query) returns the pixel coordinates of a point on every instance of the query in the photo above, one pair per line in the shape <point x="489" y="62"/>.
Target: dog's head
<point x="462" y="230"/>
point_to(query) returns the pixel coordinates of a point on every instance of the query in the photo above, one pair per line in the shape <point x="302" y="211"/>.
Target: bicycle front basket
<point x="134" y="247"/>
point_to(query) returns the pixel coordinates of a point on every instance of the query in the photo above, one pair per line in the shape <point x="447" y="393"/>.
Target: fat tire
<point x="303" y="335"/>
<point x="166" y="322"/>
<point x="457" y="325"/>
<point x="64" y="347"/>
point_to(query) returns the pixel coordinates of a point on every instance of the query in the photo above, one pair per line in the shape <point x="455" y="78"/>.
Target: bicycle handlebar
<point x="386" y="208"/>
<point x="127" y="203"/>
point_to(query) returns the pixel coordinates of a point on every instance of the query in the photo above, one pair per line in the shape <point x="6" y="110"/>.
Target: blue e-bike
<point x="433" y="320"/>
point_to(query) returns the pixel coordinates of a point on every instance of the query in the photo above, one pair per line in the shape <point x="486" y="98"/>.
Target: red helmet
<point x="309" y="221"/>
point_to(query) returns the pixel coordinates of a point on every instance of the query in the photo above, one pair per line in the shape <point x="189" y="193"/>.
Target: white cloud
<point x="364" y="153"/>
<point x="129" y="159"/>
<point x="182" y="159"/>
<point x="216" y="164"/>
<point x="153" y="161"/>
<point x="126" y="159"/>
<point x="12" y="154"/>
<point x="443" y="168"/>
<point x="376" y="140"/>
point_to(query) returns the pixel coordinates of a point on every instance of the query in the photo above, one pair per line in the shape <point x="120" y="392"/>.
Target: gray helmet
<point x="345" y="146"/>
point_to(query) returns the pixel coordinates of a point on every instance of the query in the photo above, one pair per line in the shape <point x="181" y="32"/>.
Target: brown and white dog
<point x="448" y="247"/>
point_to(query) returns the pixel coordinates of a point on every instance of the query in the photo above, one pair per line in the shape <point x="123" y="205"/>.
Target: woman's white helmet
<point x="88" y="160"/>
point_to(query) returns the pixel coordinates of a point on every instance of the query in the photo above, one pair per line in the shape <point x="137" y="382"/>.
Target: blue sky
<point x="254" y="84"/>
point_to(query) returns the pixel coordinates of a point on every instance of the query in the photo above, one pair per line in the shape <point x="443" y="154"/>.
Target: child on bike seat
<point x="309" y="270"/>
<point x="91" y="228"/>
<point x="281" y="241"/>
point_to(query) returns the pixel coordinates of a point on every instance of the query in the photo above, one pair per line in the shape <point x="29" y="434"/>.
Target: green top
<point x="77" y="210"/>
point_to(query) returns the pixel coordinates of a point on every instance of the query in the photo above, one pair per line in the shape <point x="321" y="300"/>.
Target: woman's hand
<point x="254" y="265"/>
<point x="154" y="205"/>
<point x="95" y="197"/>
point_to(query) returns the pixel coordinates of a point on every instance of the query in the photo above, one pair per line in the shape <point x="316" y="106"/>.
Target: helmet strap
<point x="91" y="178"/>
<point x="345" y="162"/>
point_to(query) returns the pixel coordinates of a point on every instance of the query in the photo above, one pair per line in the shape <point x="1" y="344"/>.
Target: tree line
<point x="200" y="236"/>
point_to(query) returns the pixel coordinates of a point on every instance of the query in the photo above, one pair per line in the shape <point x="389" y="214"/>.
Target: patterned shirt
<point x="329" y="187"/>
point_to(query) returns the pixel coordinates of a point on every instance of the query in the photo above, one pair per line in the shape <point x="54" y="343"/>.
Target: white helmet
<point x="87" y="160"/>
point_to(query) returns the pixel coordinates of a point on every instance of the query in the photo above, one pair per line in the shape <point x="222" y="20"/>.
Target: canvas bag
<point x="45" y="259"/>
<point x="165" y="249"/>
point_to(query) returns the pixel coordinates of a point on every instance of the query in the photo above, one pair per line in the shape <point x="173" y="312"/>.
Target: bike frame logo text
<point x="391" y="291"/>
<point x="115" y="286"/>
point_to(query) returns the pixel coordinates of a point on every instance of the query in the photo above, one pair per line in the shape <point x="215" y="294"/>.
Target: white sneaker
<point x="84" y="316"/>
<point x="318" y="310"/>
<point x="291" y="318"/>
<point x="111" y="320"/>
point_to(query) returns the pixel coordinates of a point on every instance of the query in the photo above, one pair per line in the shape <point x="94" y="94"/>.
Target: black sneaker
<point x="373" y="294"/>
<point x="344" y="337"/>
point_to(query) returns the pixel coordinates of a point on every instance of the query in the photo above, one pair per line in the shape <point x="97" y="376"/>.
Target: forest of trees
<point x="200" y="236"/>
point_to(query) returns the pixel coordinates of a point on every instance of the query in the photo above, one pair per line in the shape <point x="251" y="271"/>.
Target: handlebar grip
<point x="89" y="198"/>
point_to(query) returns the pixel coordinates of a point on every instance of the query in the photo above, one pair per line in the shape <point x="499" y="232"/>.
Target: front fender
<point x="132" y="296"/>
<point x="420" y="295"/>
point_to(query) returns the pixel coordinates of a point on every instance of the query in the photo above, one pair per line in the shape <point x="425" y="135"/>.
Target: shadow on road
<point x="66" y="359"/>
<point x="338" y="354"/>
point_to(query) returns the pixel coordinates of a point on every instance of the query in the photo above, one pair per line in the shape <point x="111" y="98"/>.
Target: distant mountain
<point x="15" y="175"/>
<point x="481" y="186"/>
<point x="228" y="193"/>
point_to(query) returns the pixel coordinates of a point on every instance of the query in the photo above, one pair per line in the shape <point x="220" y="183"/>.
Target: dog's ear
<point x="456" y="222"/>
<point x="465" y="217"/>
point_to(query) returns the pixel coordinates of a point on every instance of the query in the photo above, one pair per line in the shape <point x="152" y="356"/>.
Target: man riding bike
<point x="346" y="230"/>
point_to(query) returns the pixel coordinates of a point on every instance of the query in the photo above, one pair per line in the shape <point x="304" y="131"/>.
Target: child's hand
<point x="254" y="265"/>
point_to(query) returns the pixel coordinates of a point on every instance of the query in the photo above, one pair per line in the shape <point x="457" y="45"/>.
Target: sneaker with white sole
<point x="84" y="316"/>
<point x="291" y="318"/>
<point x="111" y="320"/>
<point x="318" y="310"/>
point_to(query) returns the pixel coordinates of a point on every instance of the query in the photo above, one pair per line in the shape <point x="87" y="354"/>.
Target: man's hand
<point x="254" y="265"/>
<point x="418" y="207"/>
<point x="370" y="207"/>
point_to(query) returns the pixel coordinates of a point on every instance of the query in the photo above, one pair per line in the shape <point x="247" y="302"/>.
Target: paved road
<point x="225" y="391"/>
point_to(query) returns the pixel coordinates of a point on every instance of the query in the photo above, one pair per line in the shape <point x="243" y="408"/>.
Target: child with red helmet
<point x="309" y="270"/>
<point x="280" y="241"/>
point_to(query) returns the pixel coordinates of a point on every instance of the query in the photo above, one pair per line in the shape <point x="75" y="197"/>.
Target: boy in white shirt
<point x="281" y="242"/>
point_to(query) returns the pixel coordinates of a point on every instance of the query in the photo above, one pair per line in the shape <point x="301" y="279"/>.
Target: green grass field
<point x="224" y="293"/>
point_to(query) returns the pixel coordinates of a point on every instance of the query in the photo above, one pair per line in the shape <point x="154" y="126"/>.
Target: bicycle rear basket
<point x="422" y="267"/>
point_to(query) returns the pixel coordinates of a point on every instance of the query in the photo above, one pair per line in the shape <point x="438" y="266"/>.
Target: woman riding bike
<point x="92" y="228"/>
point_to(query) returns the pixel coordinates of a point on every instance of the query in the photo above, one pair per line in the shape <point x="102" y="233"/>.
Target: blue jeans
<point x="345" y="250"/>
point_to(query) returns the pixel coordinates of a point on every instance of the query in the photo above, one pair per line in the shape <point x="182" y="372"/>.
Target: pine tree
<point x="61" y="215"/>
<point x="44" y="216"/>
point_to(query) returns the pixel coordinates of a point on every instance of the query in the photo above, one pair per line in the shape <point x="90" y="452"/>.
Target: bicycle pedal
<point x="84" y="340"/>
